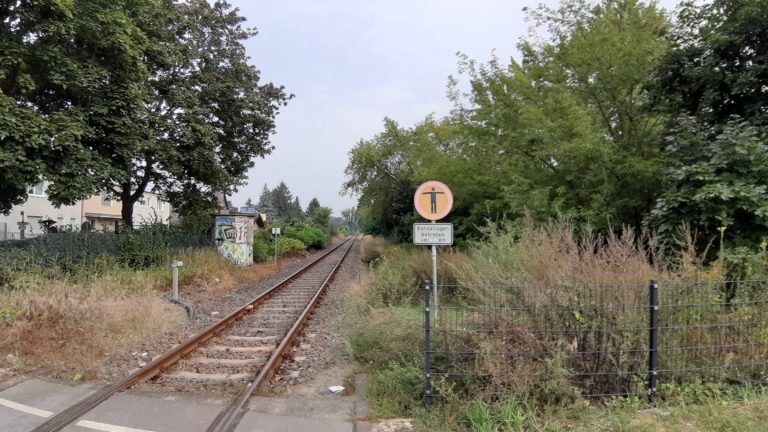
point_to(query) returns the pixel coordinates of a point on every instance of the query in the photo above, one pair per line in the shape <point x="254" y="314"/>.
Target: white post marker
<point x="275" y="232"/>
<point x="176" y="264"/>
<point x="433" y="201"/>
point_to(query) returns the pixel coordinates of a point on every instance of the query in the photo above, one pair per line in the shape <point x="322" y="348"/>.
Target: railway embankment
<point x="99" y="318"/>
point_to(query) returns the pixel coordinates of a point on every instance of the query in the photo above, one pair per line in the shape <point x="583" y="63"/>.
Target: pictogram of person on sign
<point x="433" y="199"/>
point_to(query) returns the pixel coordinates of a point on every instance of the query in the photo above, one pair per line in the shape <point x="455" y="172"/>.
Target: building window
<point x="160" y="205"/>
<point x="35" y="190"/>
<point x="106" y="200"/>
<point x="142" y="200"/>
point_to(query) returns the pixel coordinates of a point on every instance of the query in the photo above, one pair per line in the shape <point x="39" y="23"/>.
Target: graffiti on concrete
<point x="234" y="238"/>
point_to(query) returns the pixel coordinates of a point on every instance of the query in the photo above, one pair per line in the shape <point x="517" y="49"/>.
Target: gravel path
<point x="318" y="360"/>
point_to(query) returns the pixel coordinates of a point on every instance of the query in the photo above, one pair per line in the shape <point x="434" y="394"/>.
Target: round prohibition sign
<point x="433" y="200"/>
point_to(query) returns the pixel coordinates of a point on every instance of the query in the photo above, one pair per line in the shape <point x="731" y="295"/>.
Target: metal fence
<point x="16" y="235"/>
<point x="595" y="341"/>
<point x="63" y="250"/>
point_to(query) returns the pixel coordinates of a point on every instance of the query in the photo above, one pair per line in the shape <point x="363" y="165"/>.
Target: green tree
<point x="282" y="200"/>
<point x="209" y="116"/>
<point x="136" y="94"/>
<point x="574" y="116"/>
<point x="381" y="172"/>
<point x="64" y="66"/>
<point x="322" y="218"/>
<point x="265" y="204"/>
<point x="713" y="84"/>
<point x="568" y="130"/>
<point x="313" y="205"/>
<point x="719" y="66"/>
<point x="296" y="210"/>
<point x="349" y="217"/>
<point x="716" y="178"/>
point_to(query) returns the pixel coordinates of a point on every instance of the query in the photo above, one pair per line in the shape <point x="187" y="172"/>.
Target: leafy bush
<point x="311" y="236"/>
<point x="140" y="251"/>
<point x="479" y="417"/>
<point x="287" y="246"/>
<point x="742" y="263"/>
<point x="261" y="250"/>
<point x="399" y="271"/>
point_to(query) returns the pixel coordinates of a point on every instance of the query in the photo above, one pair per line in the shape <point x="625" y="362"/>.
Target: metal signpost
<point x="433" y="201"/>
<point x="276" y="233"/>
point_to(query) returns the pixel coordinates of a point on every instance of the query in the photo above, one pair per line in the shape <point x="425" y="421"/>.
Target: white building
<point x="100" y="211"/>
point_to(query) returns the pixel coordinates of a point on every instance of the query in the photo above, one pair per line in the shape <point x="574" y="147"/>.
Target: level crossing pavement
<point x="27" y="404"/>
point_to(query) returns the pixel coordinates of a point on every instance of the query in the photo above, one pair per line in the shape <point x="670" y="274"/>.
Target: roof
<point x="103" y="215"/>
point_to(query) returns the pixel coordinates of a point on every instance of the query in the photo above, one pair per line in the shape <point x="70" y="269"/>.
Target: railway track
<point x="246" y="347"/>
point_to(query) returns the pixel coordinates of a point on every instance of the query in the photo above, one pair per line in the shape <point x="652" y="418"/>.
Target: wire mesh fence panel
<point x="596" y="341"/>
<point x="713" y="332"/>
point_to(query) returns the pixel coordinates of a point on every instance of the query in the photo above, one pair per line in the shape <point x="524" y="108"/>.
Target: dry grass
<point x="72" y="336"/>
<point x="553" y="254"/>
<point x="70" y="322"/>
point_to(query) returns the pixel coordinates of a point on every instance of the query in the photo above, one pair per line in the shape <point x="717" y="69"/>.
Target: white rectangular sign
<point x="433" y="234"/>
<point x="276" y="231"/>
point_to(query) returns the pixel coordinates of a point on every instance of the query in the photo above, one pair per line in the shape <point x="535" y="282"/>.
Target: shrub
<point x="139" y="251"/>
<point x="73" y="252"/>
<point x="550" y="255"/>
<point x="399" y="271"/>
<point x="479" y="417"/>
<point x="312" y="237"/>
<point x="287" y="246"/>
<point x="262" y="250"/>
<point x="554" y="254"/>
<point x="373" y="248"/>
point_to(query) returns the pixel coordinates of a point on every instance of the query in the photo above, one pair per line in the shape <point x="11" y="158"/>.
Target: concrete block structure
<point x="233" y="236"/>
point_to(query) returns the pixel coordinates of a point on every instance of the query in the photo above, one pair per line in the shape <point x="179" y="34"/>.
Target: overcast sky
<point x="350" y="63"/>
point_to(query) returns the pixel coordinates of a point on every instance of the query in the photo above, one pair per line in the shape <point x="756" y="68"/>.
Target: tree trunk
<point x="127" y="201"/>
<point x="128" y="197"/>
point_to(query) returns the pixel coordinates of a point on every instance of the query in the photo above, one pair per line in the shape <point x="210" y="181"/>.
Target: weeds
<point x="479" y="417"/>
<point x="395" y="389"/>
<point x="552" y="266"/>
<point x="514" y="415"/>
<point x="71" y="319"/>
<point x="384" y="335"/>
<point x="373" y="248"/>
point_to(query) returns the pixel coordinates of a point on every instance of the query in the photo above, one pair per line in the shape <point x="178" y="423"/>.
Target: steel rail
<point x="74" y="412"/>
<point x="229" y="417"/>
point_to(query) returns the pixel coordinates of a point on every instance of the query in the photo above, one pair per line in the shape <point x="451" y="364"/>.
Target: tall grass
<point x="553" y="254"/>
